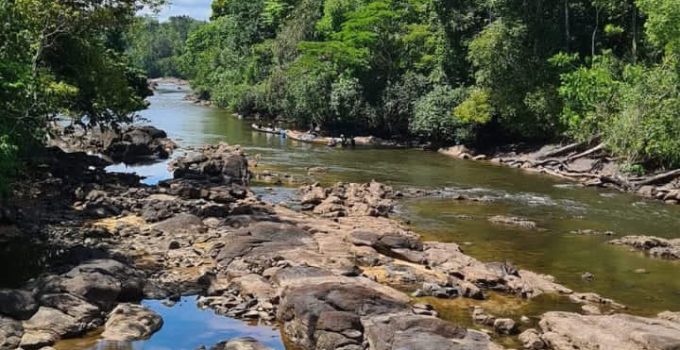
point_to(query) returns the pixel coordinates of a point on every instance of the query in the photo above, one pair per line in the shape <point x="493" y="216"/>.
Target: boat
<point x="308" y="137"/>
<point x="267" y="130"/>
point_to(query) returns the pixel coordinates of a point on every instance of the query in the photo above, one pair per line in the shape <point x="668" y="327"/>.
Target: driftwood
<point x="660" y="178"/>
<point x="586" y="153"/>
<point x="562" y="150"/>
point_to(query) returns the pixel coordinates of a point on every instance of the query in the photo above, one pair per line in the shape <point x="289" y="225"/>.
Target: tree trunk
<point x="567" y="34"/>
<point x="597" y="24"/>
<point x="634" y="29"/>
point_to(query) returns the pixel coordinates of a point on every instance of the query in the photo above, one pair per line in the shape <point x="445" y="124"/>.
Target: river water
<point x="557" y="206"/>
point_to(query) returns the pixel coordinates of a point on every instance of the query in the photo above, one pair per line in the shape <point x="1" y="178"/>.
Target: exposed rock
<point x="49" y="323"/>
<point x="513" y="221"/>
<point x="130" y="145"/>
<point x="587" y="276"/>
<point x="219" y="163"/>
<point x="372" y="199"/>
<point x="504" y="326"/>
<point x="459" y="151"/>
<point x="128" y="322"/>
<point x="75" y="307"/>
<point x="181" y="224"/>
<point x="564" y="330"/>
<point x="11" y="332"/>
<point x="589" y="232"/>
<point x="531" y="340"/>
<point x="654" y="246"/>
<point x="244" y="343"/>
<point x="103" y="282"/>
<point x="395" y="332"/>
<point x="17" y="304"/>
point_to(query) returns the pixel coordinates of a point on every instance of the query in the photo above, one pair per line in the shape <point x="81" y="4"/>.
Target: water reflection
<point x="185" y="327"/>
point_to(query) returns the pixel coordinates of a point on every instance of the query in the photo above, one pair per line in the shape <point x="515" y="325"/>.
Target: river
<point x="557" y="206"/>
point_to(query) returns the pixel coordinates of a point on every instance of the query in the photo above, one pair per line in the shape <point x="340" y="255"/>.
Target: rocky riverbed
<point x="339" y="274"/>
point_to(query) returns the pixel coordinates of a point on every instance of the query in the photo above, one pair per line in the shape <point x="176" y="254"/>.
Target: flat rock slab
<point x="568" y="331"/>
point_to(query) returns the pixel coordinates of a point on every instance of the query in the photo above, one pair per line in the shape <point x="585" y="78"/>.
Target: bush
<point x="434" y="119"/>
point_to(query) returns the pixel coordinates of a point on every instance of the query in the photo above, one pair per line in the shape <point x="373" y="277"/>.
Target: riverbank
<point x="587" y="166"/>
<point x="205" y="233"/>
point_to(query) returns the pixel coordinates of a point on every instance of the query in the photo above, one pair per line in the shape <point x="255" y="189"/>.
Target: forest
<point x="477" y="72"/>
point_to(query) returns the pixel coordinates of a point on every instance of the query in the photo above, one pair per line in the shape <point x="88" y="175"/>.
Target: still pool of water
<point x="557" y="206"/>
<point x="186" y="327"/>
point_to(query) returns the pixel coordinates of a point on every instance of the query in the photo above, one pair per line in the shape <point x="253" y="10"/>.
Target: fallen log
<point x="562" y="150"/>
<point x="660" y="178"/>
<point x="587" y="153"/>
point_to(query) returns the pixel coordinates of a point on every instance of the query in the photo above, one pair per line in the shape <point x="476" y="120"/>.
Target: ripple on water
<point x="185" y="327"/>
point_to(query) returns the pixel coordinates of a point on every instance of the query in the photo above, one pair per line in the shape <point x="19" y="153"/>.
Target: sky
<point x="199" y="9"/>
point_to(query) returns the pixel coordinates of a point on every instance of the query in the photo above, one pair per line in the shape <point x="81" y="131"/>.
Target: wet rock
<point x="654" y="246"/>
<point x="564" y="330"/>
<point x="513" y="221"/>
<point x="594" y="299"/>
<point x="128" y="322"/>
<point x="244" y="343"/>
<point x="11" y="332"/>
<point x="17" y="304"/>
<point x="589" y="232"/>
<point x="587" y="276"/>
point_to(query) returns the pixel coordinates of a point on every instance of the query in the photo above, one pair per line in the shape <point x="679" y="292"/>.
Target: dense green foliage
<point x="156" y="47"/>
<point x="62" y="59"/>
<point x="451" y="72"/>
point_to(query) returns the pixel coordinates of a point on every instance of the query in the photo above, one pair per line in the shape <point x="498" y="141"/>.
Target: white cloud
<point x="199" y="9"/>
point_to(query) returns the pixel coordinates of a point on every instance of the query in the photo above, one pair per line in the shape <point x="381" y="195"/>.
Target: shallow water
<point x="186" y="327"/>
<point x="557" y="206"/>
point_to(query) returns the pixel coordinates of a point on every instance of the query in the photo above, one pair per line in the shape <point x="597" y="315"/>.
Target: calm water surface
<point x="185" y="327"/>
<point x="557" y="206"/>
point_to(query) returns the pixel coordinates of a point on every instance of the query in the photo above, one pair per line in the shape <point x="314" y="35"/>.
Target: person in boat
<point x="343" y="141"/>
<point x="352" y="141"/>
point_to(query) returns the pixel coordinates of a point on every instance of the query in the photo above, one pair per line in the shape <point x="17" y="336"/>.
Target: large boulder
<point x="103" y="282"/>
<point x="328" y="315"/>
<point x="129" y="322"/>
<point x="219" y="163"/>
<point x="137" y="143"/>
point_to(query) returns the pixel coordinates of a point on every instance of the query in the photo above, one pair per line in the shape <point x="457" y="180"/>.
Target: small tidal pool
<point x="185" y="327"/>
